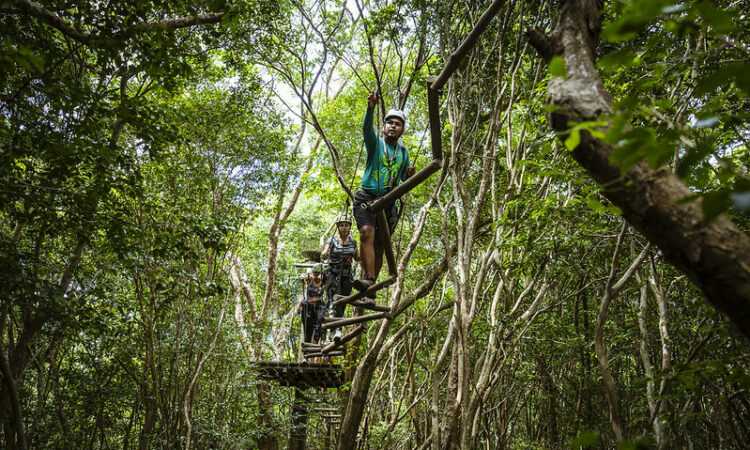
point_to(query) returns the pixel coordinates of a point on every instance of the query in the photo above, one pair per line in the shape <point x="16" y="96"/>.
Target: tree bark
<point x="240" y="288"/>
<point x="714" y="255"/>
<point x="11" y="391"/>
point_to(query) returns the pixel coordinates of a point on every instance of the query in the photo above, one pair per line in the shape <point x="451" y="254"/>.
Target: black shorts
<point x="364" y="216"/>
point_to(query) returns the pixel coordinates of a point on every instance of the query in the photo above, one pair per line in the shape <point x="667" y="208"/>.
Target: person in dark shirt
<point x="314" y="308"/>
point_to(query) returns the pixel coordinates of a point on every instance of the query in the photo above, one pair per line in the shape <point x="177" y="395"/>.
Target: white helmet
<point x="397" y="113"/>
<point x="343" y="217"/>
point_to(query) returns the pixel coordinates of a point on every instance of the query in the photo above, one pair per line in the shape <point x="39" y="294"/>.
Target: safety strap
<point x="391" y="160"/>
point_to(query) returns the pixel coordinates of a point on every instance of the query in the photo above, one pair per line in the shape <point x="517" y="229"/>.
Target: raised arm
<point x="368" y="132"/>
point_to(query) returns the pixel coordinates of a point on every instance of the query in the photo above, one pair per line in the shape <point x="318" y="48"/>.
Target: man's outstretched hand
<point x="372" y="99"/>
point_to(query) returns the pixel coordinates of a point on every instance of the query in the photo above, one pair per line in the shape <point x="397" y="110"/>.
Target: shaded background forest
<point x="165" y="163"/>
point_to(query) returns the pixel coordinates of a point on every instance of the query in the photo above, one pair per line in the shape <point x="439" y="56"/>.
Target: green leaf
<point x="640" y="443"/>
<point x="693" y="157"/>
<point x="638" y="15"/>
<point x="600" y="208"/>
<point x="557" y="67"/>
<point x="674" y="8"/>
<point x="736" y="71"/>
<point x="584" y="439"/>
<point x="573" y="139"/>
<point x="714" y="203"/>
<point x="624" y="57"/>
<point x="638" y="144"/>
<point x="27" y="59"/>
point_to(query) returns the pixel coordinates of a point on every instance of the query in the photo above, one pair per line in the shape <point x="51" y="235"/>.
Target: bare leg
<point x="367" y="251"/>
<point x="379" y="250"/>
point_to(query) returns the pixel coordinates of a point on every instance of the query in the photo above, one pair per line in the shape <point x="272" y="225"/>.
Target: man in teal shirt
<point x="387" y="165"/>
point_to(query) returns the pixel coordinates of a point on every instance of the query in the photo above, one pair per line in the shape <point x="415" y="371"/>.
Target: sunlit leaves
<point x="574" y="136"/>
<point x="600" y="208"/>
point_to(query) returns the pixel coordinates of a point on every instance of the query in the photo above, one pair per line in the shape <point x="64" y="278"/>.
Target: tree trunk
<point x="360" y="385"/>
<point x="714" y="255"/>
<point x="298" y="432"/>
<point x="15" y="432"/>
<point x="666" y="358"/>
<point x="359" y="390"/>
<point x="648" y="369"/>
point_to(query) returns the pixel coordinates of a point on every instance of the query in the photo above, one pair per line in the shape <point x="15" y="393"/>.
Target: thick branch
<point x="544" y="44"/>
<point x="57" y="22"/>
<point x="714" y="255"/>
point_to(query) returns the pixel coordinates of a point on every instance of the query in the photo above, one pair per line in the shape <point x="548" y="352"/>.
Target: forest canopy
<point x="576" y="274"/>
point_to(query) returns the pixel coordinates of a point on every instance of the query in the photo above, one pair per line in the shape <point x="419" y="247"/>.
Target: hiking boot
<point x="337" y="335"/>
<point x="363" y="283"/>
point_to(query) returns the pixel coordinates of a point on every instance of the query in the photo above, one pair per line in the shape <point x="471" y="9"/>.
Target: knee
<point x="367" y="234"/>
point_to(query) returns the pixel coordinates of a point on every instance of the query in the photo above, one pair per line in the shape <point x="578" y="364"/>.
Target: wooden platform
<point x="302" y="375"/>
